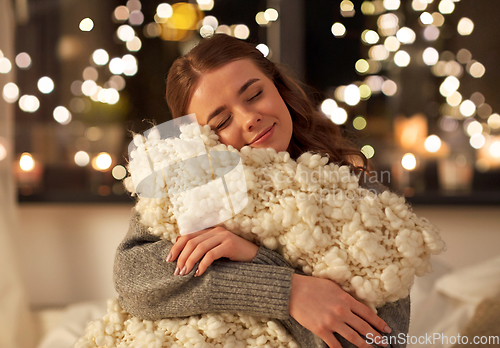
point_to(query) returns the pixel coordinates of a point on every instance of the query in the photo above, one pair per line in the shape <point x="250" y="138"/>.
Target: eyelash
<point x="219" y="126"/>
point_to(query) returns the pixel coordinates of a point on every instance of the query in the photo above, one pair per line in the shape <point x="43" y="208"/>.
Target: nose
<point x="251" y="120"/>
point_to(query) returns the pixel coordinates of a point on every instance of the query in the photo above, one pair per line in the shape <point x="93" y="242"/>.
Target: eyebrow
<point x="240" y="92"/>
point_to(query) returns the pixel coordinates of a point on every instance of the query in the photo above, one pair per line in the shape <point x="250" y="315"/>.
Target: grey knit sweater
<point x="149" y="290"/>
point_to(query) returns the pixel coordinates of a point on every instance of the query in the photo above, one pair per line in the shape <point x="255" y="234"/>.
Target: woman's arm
<point x="148" y="289"/>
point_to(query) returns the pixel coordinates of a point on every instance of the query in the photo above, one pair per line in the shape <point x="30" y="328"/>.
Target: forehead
<point x="215" y="87"/>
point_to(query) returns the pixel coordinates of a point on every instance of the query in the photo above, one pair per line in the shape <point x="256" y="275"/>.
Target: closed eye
<point x="220" y="125"/>
<point x="255" y="96"/>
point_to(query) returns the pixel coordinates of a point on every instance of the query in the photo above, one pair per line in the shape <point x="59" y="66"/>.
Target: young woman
<point x="248" y="101"/>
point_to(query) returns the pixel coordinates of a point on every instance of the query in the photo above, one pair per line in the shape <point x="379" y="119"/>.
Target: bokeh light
<point x="409" y="162"/>
<point x="102" y="161"/>
<point x="432" y="143"/>
<point x="378" y="52"/>
<point x="369" y="36"/>
<point x="359" y="123"/>
<point x="121" y="13"/>
<point x="406" y="35"/>
<point x="402" y="58"/>
<point x="5" y="65"/>
<point x="23" y="60"/>
<point x="263" y="49"/>
<point x="10" y="92"/>
<point x="29" y="103"/>
<point x="62" y="115"/>
<point x="86" y="24"/>
<point x="368" y="151"/>
<point x="494" y="121"/>
<point x="392" y="5"/>
<point x="116" y="66"/>
<point x="362" y="66"/>
<point x="477" y="141"/>
<point x="100" y="57"/>
<point x="389" y="88"/>
<point x="426" y="18"/>
<point x="271" y="15"/>
<point x="352" y="95"/>
<point x="477" y="70"/>
<point x="392" y="44"/>
<point x="241" y="31"/>
<point x="328" y="106"/>
<point x="82" y="158"/>
<point x="431" y="33"/>
<point x="339" y="116"/>
<point x="119" y="172"/>
<point x="125" y="32"/>
<point x="465" y="26"/>
<point x="430" y="56"/>
<point x="338" y="29"/>
<point x="467" y="108"/>
<point x="26" y="162"/>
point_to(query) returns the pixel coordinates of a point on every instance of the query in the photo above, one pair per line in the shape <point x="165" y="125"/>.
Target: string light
<point x="465" y="26"/>
<point x="26" y="162"/>
<point x="338" y="29"/>
<point x="10" y="92"/>
<point x="23" y="60"/>
<point x="86" y="24"/>
<point x="82" y="158"/>
<point x="368" y="151"/>
<point x="409" y="162"/>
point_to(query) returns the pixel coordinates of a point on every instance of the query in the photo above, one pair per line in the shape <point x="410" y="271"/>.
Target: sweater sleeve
<point x="148" y="289"/>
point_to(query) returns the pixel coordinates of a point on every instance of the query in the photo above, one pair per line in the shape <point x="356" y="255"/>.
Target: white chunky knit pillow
<point x="315" y="214"/>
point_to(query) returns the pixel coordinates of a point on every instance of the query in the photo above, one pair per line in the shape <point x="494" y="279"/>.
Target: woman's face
<point x="243" y="106"/>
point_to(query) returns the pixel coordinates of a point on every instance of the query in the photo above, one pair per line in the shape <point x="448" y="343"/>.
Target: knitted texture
<point x="313" y="213"/>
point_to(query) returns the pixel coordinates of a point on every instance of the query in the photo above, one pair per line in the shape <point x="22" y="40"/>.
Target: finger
<point x="352" y="336"/>
<point x="329" y="338"/>
<point x="203" y="249"/>
<point x="362" y="327"/>
<point x="180" y="243"/>
<point x="212" y="255"/>
<point x="191" y="245"/>
<point x="368" y="315"/>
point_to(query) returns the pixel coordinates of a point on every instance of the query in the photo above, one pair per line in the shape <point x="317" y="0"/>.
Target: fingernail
<point x="169" y="257"/>
<point x="183" y="271"/>
<point x="197" y="273"/>
<point x="387" y="329"/>
<point x="176" y="271"/>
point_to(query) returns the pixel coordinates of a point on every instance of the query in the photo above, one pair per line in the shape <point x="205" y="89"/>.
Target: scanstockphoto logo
<point x="205" y="187"/>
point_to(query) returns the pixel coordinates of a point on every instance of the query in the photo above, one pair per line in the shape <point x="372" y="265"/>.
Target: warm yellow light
<point x="367" y="8"/>
<point x="362" y="66"/>
<point x="86" y="24"/>
<point x="446" y="6"/>
<point x="389" y="88"/>
<point x="419" y="5"/>
<point x="338" y="29"/>
<point x="370" y="36"/>
<point x="347" y="9"/>
<point x="477" y="141"/>
<point x="90" y="73"/>
<point x="432" y="143"/>
<point x="352" y="95"/>
<point x="494" y="149"/>
<point x="5" y="65"/>
<point x="45" y="85"/>
<point x="82" y="158"/>
<point x="102" y="161"/>
<point x="378" y="52"/>
<point x="62" y="115"/>
<point x="368" y="151"/>
<point x="392" y="5"/>
<point x="426" y="18"/>
<point x="359" y="123"/>
<point x="437" y="19"/>
<point x="100" y="57"/>
<point x="29" y="103"/>
<point x="26" y="162"/>
<point x="474" y="127"/>
<point x="467" y="108"/>
<point x="494" y="121"/>
<point x="125" y="32"/>
<point x="164" y="10"/>
<point x="271" y="15"/>
<point x="261" y="19"/>
<point x="136" y="18"/>
<point x="392" y="44"/>
<point x="430" y="56"/>
<point x="3" y="149"/>
<point x="241" y="31"/>
<point x="409" y="162"/>
<point x="328" y="106"/>
<point x="477" y="70"/>
<point x="402" y="58"/>
<point x="454" y="99"/>
<point x="388" y="24"/>
<point x="364" y="91"/>
<point x="263" y="49"/>
<point x="119" y="172"/>
<point x="406" y="35"/>
<point x="465" y="26"/>
<point x="449" y="86"/>
<point x="10" y="92"/>
<point x="116" y="66"/>
<point x="89" y="87"/>
<point x="121" y="13"/>
<point x="339" y="116"/>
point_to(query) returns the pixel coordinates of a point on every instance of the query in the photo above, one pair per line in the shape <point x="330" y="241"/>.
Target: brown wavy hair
<point x="312" y="131"/>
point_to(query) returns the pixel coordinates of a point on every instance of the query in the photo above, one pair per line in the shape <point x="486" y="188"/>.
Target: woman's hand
<point x="210" y="244"/>
<point x="321" y="306"/>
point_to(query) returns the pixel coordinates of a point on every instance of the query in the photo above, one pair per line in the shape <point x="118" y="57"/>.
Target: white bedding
<point x="442" y="302"/>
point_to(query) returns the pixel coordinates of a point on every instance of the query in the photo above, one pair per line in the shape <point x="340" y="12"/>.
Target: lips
<point x="261" y="134"/>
